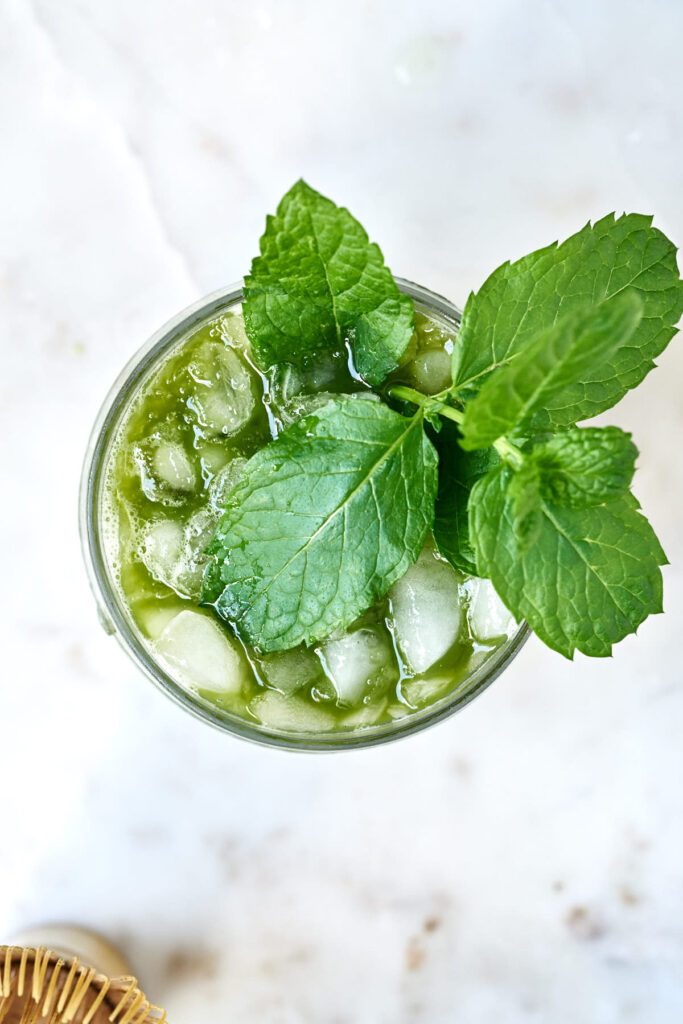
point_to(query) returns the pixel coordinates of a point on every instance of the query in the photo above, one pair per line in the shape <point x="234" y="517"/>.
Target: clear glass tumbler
<point x="115" y="617"/>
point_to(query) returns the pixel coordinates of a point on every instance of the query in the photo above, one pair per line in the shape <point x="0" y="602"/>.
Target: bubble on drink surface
<point x="290" y="714"/>
<point x="224" y="481"/>
<point x="431" y="370"/>
<point x="289" y="671"/>
<point x="200" y="655"/>
<point x="223" y="398"/>
<point x="167" y="473"/>
<point x="359" y="664"/>
<point x="488" y="617"/>
<point x="427" y="610"/>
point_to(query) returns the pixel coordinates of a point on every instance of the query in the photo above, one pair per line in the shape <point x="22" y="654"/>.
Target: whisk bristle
<point x="40" y="987"/>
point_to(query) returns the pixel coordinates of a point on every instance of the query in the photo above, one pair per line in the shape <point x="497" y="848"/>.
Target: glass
<point x="117" y="620"/>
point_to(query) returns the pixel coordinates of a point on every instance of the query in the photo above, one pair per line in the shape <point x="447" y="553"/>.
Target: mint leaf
<point x="323" y="521"/>
<point x="520" y="299"/>
<point x="319" y="284"/>
<point x="547" y="368"/>
<point x="524" y="492"/>
<point x="590" y="577"/>
<point x="585" y="466"/>
<point x="458" y="472"/>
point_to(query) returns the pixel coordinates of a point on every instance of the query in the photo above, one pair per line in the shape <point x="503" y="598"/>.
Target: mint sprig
<point x="516" y="398"/>
<point x="320" y="284"/>
<point x="588" y="578"/>
<point x="334" y="510"/>
<point x="523" y="298"/>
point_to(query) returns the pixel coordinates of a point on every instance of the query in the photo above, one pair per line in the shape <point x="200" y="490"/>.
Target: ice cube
<point x="160" y="550"/>
<point x="288" y="380"/>
<point x="290" y="714"/>
<point x="200" y="655"/>
<point x="167" y="474"/>
<point x="366" y="714"/>
<point x="284" y="382"/>
<point x="176" y="555"/>
<point x="488" y="616"/>
<point x="397" y="711"/>
<point x="322" y="370"/>
<point x="199" y="529"/>
<point x="431" y="370"/>
<point x="232" y="330"/>
<point x="424" y="691"/>
<point x="427" y="612"/>
<point x="223" y="399"/>
<point x="154" y="615"/>
<point x="171" y="465"/>
<point x="214" y="455"/>
<point x="288" y="671"/>
<point x="193" y="559"/>
<point x="302" y="405"/>
<point x="359" y="663"/>
<point x="433" y="333"/>
<point x="224" y="481"/>
<point x="410" y="352"/>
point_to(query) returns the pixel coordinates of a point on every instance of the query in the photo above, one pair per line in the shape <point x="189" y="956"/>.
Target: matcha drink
<point x="181" y="447"/>
<point x="321" y="510"/>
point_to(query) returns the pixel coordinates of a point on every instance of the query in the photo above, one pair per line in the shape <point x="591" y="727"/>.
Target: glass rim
<point x="117" y="621"/>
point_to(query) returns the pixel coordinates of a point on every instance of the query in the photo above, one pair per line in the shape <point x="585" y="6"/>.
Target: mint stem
<point x="505" y="448"/>
<point x="426" y="402"/>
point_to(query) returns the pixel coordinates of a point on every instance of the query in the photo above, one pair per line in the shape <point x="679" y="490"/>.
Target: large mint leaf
<point x="458" y="472"/>
<point x="520" y="299"/>
<point x="545" y="371"/>
<point x="590" y="577"/>
<point x="319" y="284"/>
<point x="586" y="466"/>
<point x="323" y="521"/>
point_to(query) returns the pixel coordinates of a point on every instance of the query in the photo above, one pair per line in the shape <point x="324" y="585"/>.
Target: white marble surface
<point x="520" y="863"/>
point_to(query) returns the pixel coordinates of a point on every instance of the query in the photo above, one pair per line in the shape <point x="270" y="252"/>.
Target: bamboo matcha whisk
<point x="41" y="987"/>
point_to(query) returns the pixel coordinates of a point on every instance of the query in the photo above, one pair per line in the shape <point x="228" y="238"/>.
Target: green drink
<point x="317" y="508"/>
<point x="176" y="443"/>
